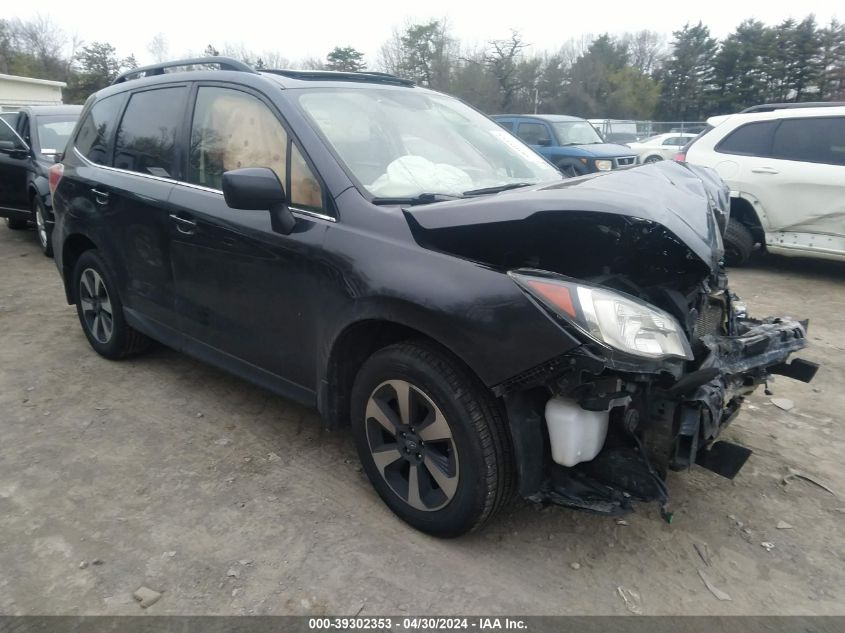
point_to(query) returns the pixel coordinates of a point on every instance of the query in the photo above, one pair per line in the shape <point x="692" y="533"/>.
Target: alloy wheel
<point x="96" y="306"/>
<point x="42" y="227"/>
<point x="411" y="445"/>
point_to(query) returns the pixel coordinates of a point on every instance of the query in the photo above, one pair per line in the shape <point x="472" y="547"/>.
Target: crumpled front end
<point x="651" y="416"/>
<point x="629" y="264"/>
<point x="649" y="420"/>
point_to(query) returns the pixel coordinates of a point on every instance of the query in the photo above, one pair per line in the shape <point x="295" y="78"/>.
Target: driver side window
<point x="231" y="130"/>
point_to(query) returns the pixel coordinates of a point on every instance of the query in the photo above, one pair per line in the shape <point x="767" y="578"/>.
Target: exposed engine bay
<point x="631" y="265"/>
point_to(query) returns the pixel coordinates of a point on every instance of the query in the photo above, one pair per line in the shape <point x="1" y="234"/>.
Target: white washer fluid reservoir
<point x="576" y="435"/>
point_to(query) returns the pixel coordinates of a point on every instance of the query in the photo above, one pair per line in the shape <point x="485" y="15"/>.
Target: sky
<point x="299" y="30"/>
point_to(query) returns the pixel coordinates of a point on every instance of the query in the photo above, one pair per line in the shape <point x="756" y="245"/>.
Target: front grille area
<point x="625" y="161"/>
<point x="711" y="319"/>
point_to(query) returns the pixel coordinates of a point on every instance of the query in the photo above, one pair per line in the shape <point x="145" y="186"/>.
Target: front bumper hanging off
<point x="671" y="426"/>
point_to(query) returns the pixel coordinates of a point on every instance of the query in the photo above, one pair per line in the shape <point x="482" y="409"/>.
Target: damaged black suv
<point x="391" y="256"/>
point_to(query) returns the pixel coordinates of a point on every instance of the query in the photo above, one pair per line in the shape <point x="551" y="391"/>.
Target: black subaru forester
<point x="393" y="257"/>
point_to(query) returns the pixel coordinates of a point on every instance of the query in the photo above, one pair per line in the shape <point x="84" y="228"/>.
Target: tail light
<point x="680" y="157"/>
<point x="56" y="172"/>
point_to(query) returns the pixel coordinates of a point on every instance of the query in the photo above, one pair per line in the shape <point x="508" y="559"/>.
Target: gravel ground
<point x="165" y="473"/>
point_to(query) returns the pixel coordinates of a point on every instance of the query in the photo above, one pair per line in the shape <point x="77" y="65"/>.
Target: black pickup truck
<point x="30" y="139"/>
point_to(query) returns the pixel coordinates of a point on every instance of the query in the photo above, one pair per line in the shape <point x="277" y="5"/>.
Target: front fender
<point x="756" y="206"/>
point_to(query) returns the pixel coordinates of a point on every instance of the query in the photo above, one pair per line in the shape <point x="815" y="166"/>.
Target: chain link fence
<point x="627" y="131"/>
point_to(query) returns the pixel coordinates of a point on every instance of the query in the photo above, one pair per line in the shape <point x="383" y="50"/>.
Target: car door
<point x="134" y="195"/>
<point x="536" y="134"/>
<point x="671" y="146"/>
<point x="801" y="182"/>
<point x="14" y="163"/>
<point x="243" y="290"/>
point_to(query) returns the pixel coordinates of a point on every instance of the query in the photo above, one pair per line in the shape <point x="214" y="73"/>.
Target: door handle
<point x="101" y="197"/>
<point x="764" y="170"/>
<point x="184" y="225"/>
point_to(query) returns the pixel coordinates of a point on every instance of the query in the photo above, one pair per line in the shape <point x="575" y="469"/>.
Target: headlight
<point x="604" y="165"/>
<point x="612" y="318"/>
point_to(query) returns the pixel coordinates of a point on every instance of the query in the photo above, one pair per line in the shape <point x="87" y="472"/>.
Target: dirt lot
<point x="161" y="471"/>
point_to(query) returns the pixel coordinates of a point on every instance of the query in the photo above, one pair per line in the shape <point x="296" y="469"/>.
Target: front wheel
<point x="652" y="159"/>
<point x="739" y="243"/>
<point x="432" y="439"/>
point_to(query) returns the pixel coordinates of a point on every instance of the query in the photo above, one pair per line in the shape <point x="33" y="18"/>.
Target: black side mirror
<point x="259" y="189"/>
<point x="545" y="142"/>
<point x="15" y="150"/>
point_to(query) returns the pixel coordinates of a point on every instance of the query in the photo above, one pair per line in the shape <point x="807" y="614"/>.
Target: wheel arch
<point x="72" y="248"/>
<point x="562" y="162"/>
<point x="39" y="187"/>
<point x="353" y="345"/>
<point x="744" y="210"/>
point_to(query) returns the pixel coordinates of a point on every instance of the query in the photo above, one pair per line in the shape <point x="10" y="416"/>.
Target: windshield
<point x="576" y="133"/>
<point x="54" y="132"/>
<point x="403" y="143"/>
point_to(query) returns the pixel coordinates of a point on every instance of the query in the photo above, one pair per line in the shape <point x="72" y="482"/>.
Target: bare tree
<point x="646" y="50"/>
<point x="274" y="59"/>
<point x="501" y="60"/>
<point x="574" y="48"/>
<point x="389" y="57"/>
<point x="45" y="44"/>
<point x="159" y="48"/>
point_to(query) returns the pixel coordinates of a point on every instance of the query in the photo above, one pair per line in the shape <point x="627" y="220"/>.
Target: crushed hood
<point x="691" y="203"/>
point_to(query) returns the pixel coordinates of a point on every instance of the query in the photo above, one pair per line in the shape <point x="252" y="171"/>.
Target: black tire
<point x="739" y="243"/>
<point x="43" y="231"/>
<point x="652" y="159"/>
<point x="568" y="170"/>
<point x="16" y="224"/>
<point x="122" y="340"/>
<point x="479" y="439"/>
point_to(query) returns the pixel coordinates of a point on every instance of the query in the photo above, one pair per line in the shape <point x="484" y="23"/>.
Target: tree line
<point x="641" y="75"/>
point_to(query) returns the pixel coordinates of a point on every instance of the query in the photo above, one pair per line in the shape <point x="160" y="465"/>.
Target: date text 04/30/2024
<point x="417" y="623"/>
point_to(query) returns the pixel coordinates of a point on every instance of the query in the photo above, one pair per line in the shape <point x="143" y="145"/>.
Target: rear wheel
<point x="431" y="438"/>
<point x="16" y="224"/>
<point x="100" y="310"/>
<point x="739" y="243"/>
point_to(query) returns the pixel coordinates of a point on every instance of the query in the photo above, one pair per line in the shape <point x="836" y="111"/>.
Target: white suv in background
<point x="785" y="165"/>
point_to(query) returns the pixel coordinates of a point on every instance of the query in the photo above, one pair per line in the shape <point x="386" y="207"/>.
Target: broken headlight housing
<point x="612" y="318"/>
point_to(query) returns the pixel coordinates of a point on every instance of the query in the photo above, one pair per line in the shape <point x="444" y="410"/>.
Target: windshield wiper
<point x="422" y="198"/>
<point x="498" y="189"/>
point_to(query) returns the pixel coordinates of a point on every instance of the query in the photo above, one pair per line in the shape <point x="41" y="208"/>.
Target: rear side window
<point x="149" y="130"/>
<point x="751" y="139"/>
<point x="533" y="133"/>
<point x="816" y="140"/>
<point x="93" y="138"/>
<point x="508" y="125"/>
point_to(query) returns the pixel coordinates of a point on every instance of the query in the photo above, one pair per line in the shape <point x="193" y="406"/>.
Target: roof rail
<point x="771" y="107"/>
<point x="329" y="75"/>
<point x="225" y="63"/>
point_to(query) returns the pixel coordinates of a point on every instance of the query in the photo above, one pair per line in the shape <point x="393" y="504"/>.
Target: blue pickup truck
<point x="570" y="143"/>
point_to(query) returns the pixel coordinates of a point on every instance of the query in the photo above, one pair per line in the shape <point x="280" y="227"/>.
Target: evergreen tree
<point x="345" y="59"/>
<point x="688" y="75"/>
